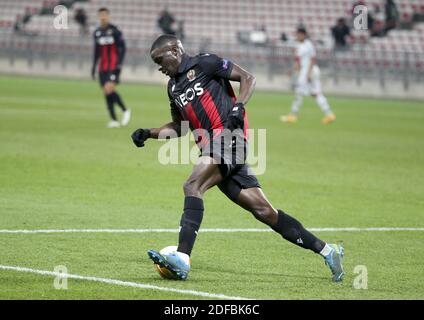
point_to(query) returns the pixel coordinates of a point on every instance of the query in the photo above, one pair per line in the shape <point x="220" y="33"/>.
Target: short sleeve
<point x="213" y="65"/>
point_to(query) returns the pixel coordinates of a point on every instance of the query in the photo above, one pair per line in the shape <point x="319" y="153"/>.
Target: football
<point x="164" y="273"/>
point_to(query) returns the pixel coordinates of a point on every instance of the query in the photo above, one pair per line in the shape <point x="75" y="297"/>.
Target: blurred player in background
<point x="109" y="52"/>
<point x="308" y="81"/>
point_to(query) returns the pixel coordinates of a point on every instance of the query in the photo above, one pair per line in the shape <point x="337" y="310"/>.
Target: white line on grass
<point x="353" y="229"/>
<point x="122" y="283"/>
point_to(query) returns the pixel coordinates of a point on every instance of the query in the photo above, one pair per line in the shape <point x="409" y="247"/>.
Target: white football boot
<point x="126" y="117"/>
<point x="113" y="124"/>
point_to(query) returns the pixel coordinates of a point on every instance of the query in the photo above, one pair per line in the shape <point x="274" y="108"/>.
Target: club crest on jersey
<point x="191" y="75"/>
<point x="109" y="31"/>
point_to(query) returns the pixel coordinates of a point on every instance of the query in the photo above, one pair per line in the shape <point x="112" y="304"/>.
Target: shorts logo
<point x="112" y="77"/>
<point x="191" y="75"/>
<point x="225" y="64"/>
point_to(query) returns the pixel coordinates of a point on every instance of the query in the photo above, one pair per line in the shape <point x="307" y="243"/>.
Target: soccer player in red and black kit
<point x="109" y="52"/>
<point x="200" y="92"/>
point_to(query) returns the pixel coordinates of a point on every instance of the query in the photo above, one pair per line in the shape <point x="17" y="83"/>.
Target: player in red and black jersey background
<point x="200" y="93"/>
<point x="109" y="53"/>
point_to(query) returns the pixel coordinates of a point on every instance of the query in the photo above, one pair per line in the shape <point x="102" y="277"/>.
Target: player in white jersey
<point x="308" y="82"/>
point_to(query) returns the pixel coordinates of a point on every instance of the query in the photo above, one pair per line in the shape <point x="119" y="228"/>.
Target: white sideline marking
<point x="353" y="229"/>
<point x="122" y="283"/>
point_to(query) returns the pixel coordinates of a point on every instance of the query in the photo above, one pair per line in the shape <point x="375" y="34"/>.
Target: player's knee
<point x="192" y="189"/>
<point x="266" y="214"/>
<point x="108" y="88"/>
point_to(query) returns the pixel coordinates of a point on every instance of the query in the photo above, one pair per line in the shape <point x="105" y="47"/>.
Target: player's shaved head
<point x="167" y="51"/>
<point x="165" y="40"/>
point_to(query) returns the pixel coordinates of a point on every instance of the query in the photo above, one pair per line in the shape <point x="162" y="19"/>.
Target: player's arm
<point x="215" y="66"/>
<point x="311" y="65"/>
<point x="96" y="56"/>
<point x="297" y="65"/>
<point x="313" y="61"/>
<point x="121" y="47"/>
<point x="247" y="83"/>
<point x="247" y="86"/>
<point x="170" y="130"/>
<point x="222" y="68"/>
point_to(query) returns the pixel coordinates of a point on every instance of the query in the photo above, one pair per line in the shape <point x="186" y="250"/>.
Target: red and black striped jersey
<point x="201" y="94"/>
<point x="109" y="48"/>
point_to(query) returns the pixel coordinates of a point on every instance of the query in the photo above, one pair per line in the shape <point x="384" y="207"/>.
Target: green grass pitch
<point x="60" y="168"/>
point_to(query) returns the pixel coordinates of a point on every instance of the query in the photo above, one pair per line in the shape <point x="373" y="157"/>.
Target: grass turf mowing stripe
<point x="351" y="229"/>
<point x="121" y="283"/>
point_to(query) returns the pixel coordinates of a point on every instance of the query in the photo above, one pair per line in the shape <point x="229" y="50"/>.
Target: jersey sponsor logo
<point x="106" y="40"/>
<point x="183" y="99"/>
<point x="191" y="75"/>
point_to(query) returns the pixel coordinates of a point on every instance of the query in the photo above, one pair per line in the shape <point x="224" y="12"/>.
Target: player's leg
<point x="108" y="89"/>
<point x="113" y="97"/>
<point x="255" y="201"/>
<point x="244" y="189"/>
<point x="205" y="175"/>
<point x="301" y="87"/>
<point x="320" y="99"/>
<point x="117" y="97"/>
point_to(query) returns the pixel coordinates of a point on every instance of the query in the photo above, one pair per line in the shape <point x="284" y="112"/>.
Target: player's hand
<point x="139" y="136"/>
<point x="236" y="118"/>
<point x="93" y="73"/>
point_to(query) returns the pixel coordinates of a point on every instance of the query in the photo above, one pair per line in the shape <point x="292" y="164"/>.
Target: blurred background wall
<point x="385" y="60"/>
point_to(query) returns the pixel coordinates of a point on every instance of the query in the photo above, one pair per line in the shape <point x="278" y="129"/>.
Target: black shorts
<point x="106" y="76"/>
<point x="231" y="155"/>
<point x="240" y="177"/>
